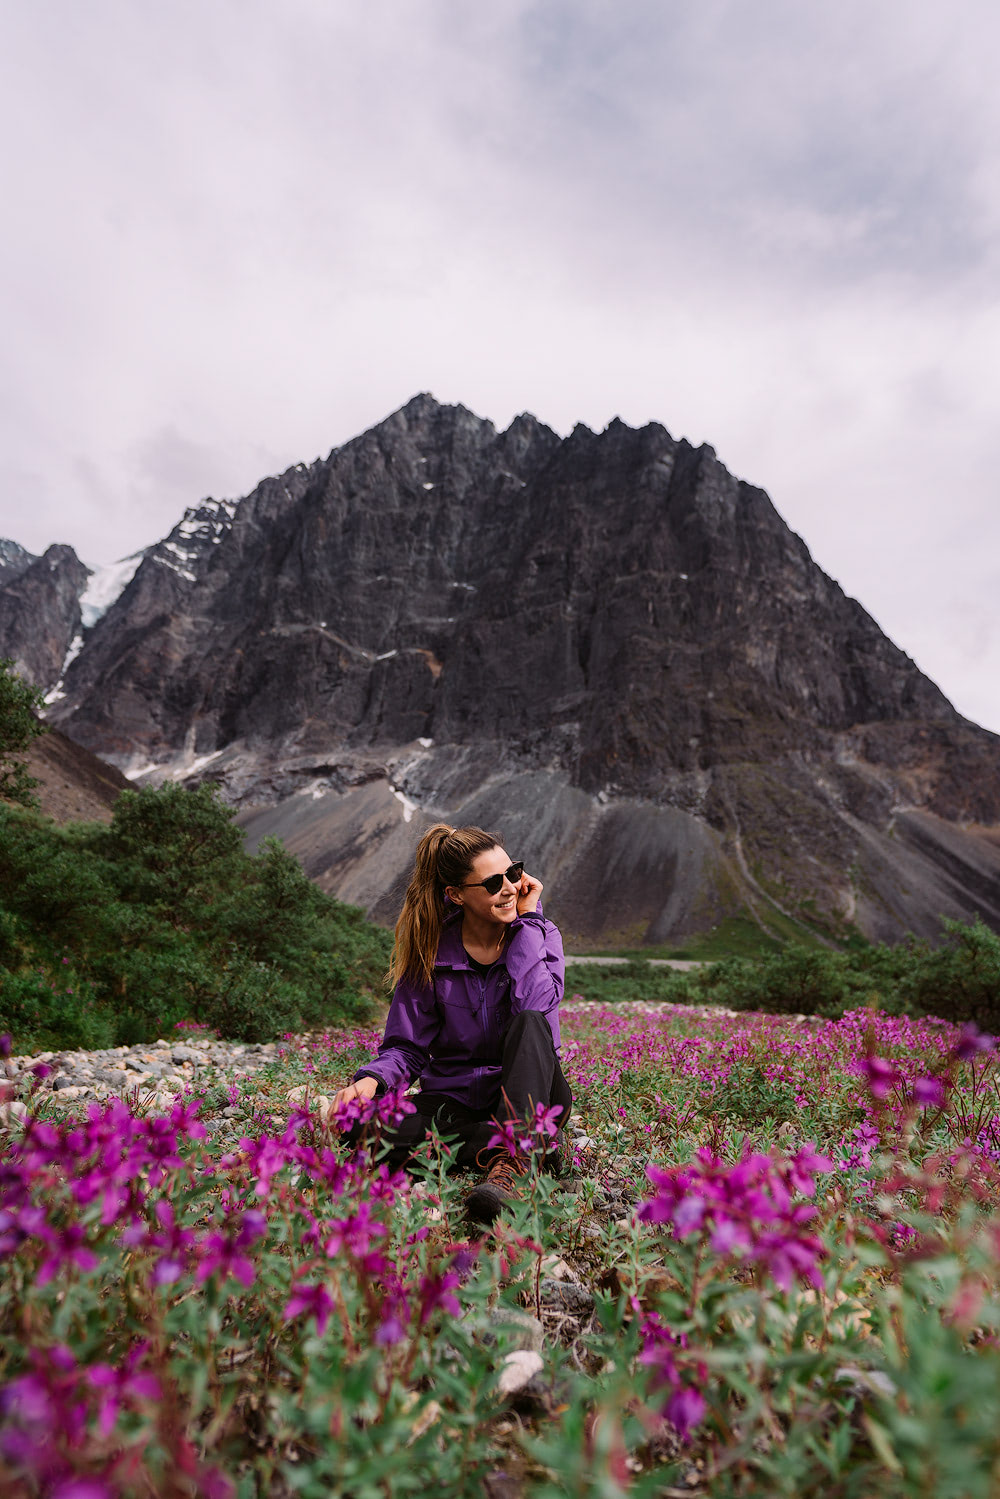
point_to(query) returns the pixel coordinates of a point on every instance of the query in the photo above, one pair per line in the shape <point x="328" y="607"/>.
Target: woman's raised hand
<point x="528" y="892"/>
<point x="365" y="1087"/>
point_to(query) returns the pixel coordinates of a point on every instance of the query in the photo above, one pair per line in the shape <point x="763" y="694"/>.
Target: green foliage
<point x="172" y="848"/>
<point x="636" y="979"/>
<point x="959" y="979"/>
<point x="56" y="1014"/>
<point x="796" y="981"/>
<point x="19" y="702"/>
<point x="163" y="917"/>
<point x="750" y="1098"/>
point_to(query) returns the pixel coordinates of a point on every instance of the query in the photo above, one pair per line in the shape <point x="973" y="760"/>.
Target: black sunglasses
<point x="494" y="884"/>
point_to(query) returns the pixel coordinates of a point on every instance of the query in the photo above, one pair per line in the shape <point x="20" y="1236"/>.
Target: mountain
<point x="14" y="560"/>
<point x="605" y="644"/>
<point x="40" y="609"/>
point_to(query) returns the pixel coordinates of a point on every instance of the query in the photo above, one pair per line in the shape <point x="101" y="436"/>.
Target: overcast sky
<point x="239" y="232"/>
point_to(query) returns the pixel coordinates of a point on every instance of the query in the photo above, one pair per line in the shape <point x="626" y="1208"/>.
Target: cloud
<point x="246" y="231"/>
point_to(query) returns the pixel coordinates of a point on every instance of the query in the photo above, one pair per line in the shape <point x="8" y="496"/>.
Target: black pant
<point x="529" y="1074"/>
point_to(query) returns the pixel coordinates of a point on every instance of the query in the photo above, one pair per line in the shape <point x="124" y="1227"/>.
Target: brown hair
<point x="444" y="857"/>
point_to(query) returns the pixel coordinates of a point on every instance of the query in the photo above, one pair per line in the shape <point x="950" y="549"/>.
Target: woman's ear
<point x="451" y="893"/>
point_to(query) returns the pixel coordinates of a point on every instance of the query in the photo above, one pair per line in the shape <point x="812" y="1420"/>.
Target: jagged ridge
<point x="438" y="609"/>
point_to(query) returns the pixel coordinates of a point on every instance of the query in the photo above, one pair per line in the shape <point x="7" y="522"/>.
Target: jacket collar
<point x="451" y="953"/>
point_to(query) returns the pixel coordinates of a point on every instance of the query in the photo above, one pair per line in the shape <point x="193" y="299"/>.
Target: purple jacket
<point x="448" y="1033"/>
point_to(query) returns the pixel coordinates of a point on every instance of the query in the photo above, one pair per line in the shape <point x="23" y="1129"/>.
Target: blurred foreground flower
<point x="745" y="1210"/>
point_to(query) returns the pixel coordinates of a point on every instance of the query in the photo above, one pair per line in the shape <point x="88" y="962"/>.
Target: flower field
<point x="772" y="1266"/>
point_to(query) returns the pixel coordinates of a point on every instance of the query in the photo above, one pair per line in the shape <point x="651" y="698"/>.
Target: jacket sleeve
<point x="537" y="967"/>
<point x="410" y="1028"/>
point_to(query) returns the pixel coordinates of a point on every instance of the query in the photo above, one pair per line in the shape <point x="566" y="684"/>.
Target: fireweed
<point x="798" y="1300"/>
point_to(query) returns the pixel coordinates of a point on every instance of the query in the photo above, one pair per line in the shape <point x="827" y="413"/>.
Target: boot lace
<point x="505" y="1171"/>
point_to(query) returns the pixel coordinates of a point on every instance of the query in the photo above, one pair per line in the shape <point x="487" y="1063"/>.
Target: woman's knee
<point x="526" y="1021"/>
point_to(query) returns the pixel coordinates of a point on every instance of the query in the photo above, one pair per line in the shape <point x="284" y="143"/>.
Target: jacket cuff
<point x="527" y="915"/>
<point x="364" y="1072"/>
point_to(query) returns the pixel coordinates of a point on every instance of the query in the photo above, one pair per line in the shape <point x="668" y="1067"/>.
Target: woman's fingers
<point x="365" y="1087"/>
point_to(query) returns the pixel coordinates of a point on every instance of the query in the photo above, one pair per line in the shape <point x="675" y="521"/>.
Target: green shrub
<point x="48" y="1012"/>
<point x="960" y="980"/>
<point x="637" y="979"/>
<point x="164" y="917"/>
<point x="797" y="981"/>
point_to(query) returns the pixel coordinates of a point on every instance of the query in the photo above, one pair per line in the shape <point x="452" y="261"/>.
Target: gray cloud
<point x="246" y="231"/>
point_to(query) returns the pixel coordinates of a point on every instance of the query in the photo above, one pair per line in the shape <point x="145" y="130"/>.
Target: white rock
<point x="518" y="1369"/>
<point x="557" y="1269"/>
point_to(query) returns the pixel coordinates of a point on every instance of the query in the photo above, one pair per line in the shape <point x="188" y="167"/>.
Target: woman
<point x="478" y="976"/>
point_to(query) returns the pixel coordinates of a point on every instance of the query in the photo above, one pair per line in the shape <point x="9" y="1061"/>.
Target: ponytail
<point x="444" y="857"/>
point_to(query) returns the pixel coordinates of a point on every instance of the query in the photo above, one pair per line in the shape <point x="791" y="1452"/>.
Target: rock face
<point x="605" y="643"/>
<point x="14" y="560"/>
<point x="40" y="609"/>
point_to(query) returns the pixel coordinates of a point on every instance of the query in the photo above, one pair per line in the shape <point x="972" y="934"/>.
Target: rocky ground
<point x="155" y="1073"/>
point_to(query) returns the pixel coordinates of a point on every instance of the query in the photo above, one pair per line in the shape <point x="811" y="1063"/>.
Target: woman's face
<point x="470" y="894"/>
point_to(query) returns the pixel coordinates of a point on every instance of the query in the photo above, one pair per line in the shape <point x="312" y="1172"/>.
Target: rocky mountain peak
<point x="14" y="560"/>
<point x="607" y="633"/>
<point x="40" y="611"/>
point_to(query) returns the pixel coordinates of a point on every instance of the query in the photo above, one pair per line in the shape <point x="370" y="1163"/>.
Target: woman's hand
<point x="365" y="1087"/>
<point x="528" y="893"/>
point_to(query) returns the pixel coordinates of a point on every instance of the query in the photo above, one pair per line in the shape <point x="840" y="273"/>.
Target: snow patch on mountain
<point x="104" y="586"/>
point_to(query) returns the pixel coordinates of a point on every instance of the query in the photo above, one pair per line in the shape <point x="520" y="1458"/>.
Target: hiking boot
<point x="486" y="1202"/>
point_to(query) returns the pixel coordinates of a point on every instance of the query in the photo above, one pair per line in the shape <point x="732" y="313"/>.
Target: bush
<point x="162" y="916"/>
<point x="46" y="1011"/>
<point x="797" y="981"/>
<point x="960" y="980"/>
<point x="635" y="980"/>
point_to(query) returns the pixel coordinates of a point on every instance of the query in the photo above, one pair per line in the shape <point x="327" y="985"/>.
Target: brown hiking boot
<point x="486" y="1202"/>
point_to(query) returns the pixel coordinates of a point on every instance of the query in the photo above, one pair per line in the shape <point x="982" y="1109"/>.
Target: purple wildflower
<point x="310" y="1300"/>
<point x="355" y="1233"/>
<point x="76" y="1487"/>
<point x="972" y="1041"/>
<point x="665" y="1353"/>
<point x="66" y="1247"/>
<point x="928" y="1091"/>
<point x="437" y="1293"/>
<point x="224" y="1253"/>
<point x="685" y="1409"/>
<point x="394" y="1318"/>
<point x="747" y="1210"/>
<point x="882" y="1076"/>
<point x="122" y="1386"/>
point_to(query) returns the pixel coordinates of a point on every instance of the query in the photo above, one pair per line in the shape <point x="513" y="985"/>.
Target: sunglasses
<point x="494" y="884"/>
